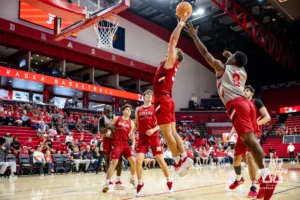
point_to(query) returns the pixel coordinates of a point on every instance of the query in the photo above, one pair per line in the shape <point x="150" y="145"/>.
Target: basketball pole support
<point x="262" y="35"/>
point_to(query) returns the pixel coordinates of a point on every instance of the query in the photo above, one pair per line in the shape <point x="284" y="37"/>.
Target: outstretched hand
<point x="189" y="28"/>
<point x="185" y="17"/>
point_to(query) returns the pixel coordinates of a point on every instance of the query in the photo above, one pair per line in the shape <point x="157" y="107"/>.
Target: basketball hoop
<point x="106" y="30"/>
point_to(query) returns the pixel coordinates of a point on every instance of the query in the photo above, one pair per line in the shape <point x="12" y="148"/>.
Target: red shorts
<point x="242" y="115"/>
<point x="240" y="147"/>
<point x="119" y="149"/>
<point x="146" y="141"/>
<point x="107" y="145"/>
<point x="164" y="110"/>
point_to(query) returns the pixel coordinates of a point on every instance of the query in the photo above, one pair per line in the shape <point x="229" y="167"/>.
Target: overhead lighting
<point x="42" y="60"/>
<point x="195" y="14"/>
<point x="36" y="63"/>
<point x="94" y="95"/>
<point x="40" y="86"/>
<point x="37" y="55"/>
<point x="56" y="89"/>
<point x="200" y="11"/>
<point x="95" y="106"/>
<point x="10" y="81"/>
<point x="31" y="58"/>
<point x="48" y="58"/>
<point x="80" y="93"/>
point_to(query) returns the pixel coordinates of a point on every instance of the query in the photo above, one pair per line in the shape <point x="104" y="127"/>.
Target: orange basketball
<point x="182" y="8"/>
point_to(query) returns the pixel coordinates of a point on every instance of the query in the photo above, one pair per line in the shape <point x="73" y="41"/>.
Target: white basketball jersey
<point x="232" y="83"/>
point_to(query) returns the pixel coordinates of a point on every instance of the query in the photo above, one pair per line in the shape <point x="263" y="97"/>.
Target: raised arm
<point x="173" y="42"/>
<point x="215" y="63"/>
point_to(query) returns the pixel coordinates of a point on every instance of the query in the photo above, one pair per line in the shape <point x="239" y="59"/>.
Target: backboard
<point x="84" y="13"/>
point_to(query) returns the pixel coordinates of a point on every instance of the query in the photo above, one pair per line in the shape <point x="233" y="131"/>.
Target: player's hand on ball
<point x="150" y="132"/>
<point x="189" y="28"/>
<point x="185" y="17"/>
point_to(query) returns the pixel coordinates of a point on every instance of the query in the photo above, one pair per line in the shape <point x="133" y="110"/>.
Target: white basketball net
<point x="106" y="31"/>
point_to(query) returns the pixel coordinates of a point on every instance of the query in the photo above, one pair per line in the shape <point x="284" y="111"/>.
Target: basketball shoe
<point x="170" y="186"/>
<point x="177" y="166"/>
<point x="105" y="188"/>
<point x="252" y="192"/>
<point x="236" y="183"/>
<point x="139" y="189"/>
<point x="119" y="185"/>
<point x="111" y="184"/>
<point x="186" y="163"/>
<point x="267" y="187"/>
<point x="132" y="181"/>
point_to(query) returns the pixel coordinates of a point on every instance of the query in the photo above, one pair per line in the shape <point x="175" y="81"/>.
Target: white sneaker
<point x="119" y="185"/>
<point x="105" y="188"/>
<point x="186" y="164"/>
<point x="132" y="181"/>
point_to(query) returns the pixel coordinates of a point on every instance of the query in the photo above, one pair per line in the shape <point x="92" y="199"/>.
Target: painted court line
<point x="174" y="191"/>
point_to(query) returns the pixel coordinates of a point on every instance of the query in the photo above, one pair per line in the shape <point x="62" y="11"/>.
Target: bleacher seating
<point x="25" y="132"/>
<point x="278" y="146"/>
<point x="293" y="121"/>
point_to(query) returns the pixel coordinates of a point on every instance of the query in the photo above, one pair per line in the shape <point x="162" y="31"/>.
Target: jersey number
<point x="236" y="79"/>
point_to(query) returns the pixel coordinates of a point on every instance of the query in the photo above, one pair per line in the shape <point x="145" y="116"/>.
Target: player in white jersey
<point x="231" y="80"/>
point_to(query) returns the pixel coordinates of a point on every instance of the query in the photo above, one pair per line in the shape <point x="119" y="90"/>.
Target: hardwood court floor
<point x="201" y="183"/>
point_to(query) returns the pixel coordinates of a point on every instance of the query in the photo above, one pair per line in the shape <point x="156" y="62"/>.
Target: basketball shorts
<point x="145" y="142"/>
<point x="242" y="115"/>
<point x="107" y="145"/>
<point x="240" y="148"/>
<point x="119" y="149"/>
<point x="164" y="110"/>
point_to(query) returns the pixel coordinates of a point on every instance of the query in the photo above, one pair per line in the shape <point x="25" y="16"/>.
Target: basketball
<point x="182" y="8"/>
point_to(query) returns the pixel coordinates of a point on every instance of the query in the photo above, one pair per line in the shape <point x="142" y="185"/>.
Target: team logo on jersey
<point x="158" y="149"/>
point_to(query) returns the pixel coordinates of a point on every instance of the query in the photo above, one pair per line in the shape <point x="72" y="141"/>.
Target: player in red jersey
<point x="231" y="80"/>
<point x="104" y="122"/>
<point x="164" y="104"/>
<point x="122" y="130"/>
<point x="146" y="124"/>
<point x="241" y="149"/>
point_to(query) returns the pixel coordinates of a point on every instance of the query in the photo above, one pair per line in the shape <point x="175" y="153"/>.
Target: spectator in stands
<point x="79" y="126"/>
<point x="291" y="150"/>
<point x="30" y="96"/>
<point x="24" y="151"/>
<point x="2" y="116"/>
<point x="99" y="157"/>
<point x="197" y="157"/>
<point x="15" y="146"/>
<point x="35" y="122"/>
<point x="204" y="156"/>
<point x="4" y="164"/>
<point x="213" y="157"/>
<point x="52" y="133"/>
<point x="39" y="160"/>
<point x="69" y="138"/>
<point x="168" y="157"/>
<point x="187" y="144"/>
<point x="63" y="148"/>
<point x="49" y="144"/>
<point x="295" y="130"/>
<point x="151" y="159"/>
<point x="26" y="120"/>
<point x="42" y="131"/>
<point x="77" y="158"/>
<point x="49" y="162"/>
<point x="88" y="155"/>
<point x="291" y="131"/>
<point x="94" y="141"/>
<point x="72" y="146"/>
<point x="29" y="146"/>
<point x="75" y="100"/>
<point x="18" y="119"/>
<point x="8" y="138"/>
<point x="271" y="152"/>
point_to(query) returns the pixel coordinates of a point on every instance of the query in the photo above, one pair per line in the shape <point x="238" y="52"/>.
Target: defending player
<point x="241" y="150"/>
<point x="146" y="123"/>
<point x="231" y="80"/>
<point x="164" y="104"/>
<point x="121" y="128"/>
<point x="104" y="122"/>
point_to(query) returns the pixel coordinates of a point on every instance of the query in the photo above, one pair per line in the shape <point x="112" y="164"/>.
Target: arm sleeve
<point x="259" y="104"/>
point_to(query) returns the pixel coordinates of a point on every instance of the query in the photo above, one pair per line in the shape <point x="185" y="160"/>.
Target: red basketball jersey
<point x="258" y="132"/>
<point x="147" y="119"/>
<point x="164" y="79"/>
<point x="123" y="130"/>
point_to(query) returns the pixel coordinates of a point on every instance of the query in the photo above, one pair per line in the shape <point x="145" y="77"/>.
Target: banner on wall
<point x="232" y="139"/>
<point x="289" y="109"/>
<point x="4" y="94"/>
<point x="29" y="76"/>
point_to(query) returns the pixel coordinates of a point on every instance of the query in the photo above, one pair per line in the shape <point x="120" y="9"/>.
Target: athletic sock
<point x="177" y="159"/>
<point x="118" y="178"/>
<point x="132" y="177"/>
<point x="107" y="181"/>
<point x="140" y="182"/>
<point x="264" y="172"/>
<point x="168" y="179"/>
<point x="253" y="184"/>
<point x="238" y="172"/>
<point x="183" y="155"/>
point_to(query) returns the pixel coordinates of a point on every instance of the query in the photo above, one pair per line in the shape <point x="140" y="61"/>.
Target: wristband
<point x="182" y="23"/>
